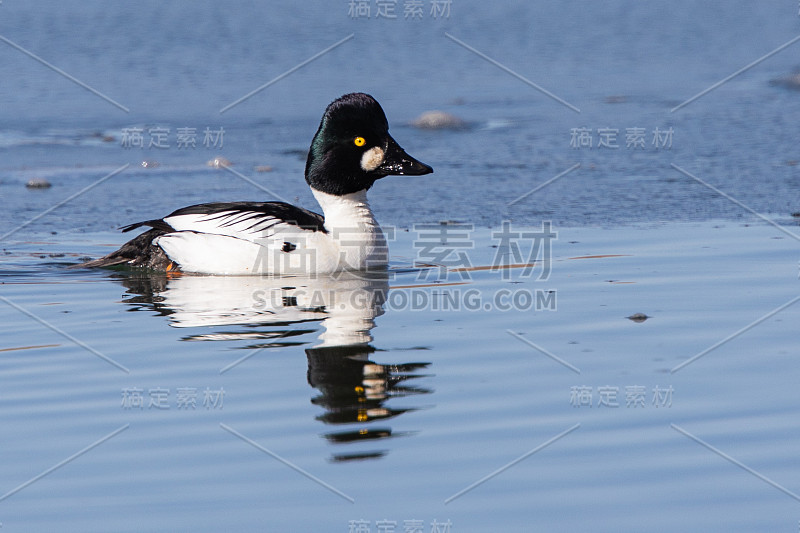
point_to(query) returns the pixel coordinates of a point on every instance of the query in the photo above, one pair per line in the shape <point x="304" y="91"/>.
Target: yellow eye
<point x="359" y="141"/>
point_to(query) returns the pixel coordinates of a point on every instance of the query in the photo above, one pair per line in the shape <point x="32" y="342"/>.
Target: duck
<point x="350" y="151"/>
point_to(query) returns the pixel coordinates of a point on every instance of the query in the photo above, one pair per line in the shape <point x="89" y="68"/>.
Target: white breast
<point x="353" y="233"/>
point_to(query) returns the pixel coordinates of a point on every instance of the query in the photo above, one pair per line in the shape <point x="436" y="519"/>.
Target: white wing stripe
<point x="248" y="225"/>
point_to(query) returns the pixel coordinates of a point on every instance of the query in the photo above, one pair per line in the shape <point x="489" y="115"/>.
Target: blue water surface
<point x="468" y="399"/>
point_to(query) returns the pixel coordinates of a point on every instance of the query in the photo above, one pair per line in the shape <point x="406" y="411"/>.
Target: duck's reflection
<point x="272" y="312"/>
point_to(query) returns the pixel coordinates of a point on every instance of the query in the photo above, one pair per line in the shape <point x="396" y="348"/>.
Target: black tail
<point x="137" y="252"/>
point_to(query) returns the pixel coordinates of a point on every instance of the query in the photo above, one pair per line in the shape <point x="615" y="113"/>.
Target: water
<point x="310" y="404"/>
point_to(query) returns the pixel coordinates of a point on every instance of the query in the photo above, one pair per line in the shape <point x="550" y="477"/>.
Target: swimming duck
<point x="350" y="151"/>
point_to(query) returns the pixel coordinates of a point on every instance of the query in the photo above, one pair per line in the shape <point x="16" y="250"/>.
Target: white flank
<point x="225" y="243"/>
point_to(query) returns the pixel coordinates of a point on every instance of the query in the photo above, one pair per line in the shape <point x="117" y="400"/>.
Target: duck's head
<point x="352" y="148"/>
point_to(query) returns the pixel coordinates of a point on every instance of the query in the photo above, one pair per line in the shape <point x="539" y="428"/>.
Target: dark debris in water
<point x="38" y="183"/>
<point x="638" y="317"/>
<point x="347" y="457"/>
<point x="439" y="120"/>
<point x="792" y="81"/>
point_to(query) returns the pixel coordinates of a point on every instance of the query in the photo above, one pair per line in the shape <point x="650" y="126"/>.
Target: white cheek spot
<point x="372" y="159"/>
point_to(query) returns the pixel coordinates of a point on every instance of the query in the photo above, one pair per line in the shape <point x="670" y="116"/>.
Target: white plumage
<point x="246" y="242"/>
